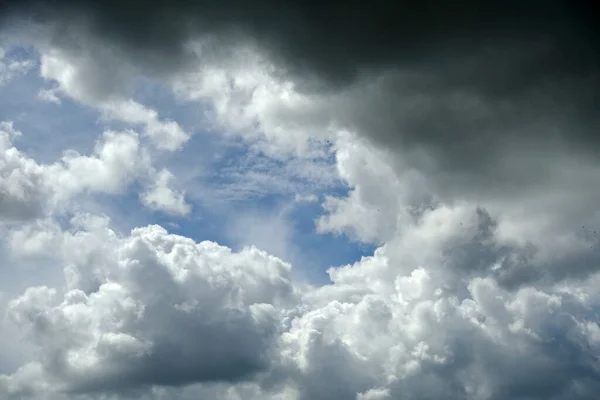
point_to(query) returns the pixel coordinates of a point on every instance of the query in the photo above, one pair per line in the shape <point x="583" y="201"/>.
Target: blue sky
<point x="51" y="128"/>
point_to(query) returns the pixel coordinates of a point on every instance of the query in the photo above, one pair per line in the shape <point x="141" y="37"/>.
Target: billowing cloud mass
<point x="466" y="134"/>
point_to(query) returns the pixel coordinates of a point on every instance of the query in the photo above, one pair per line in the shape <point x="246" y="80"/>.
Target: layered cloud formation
<point x="466" y="135"/>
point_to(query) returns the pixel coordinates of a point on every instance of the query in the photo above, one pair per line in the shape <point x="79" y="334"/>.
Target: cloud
<point x="472" y="98"/>
<point x="30" y="190"/>
<point x="250" y="99"/>
<point x="466" y="134"/>
<point x="21" y="189"/>
<point x="72" y="72"/>
<point x="151" y="309"/>
<point x="114" y="327"/>
<point x="308" y="38"/>
<point x="445" y="307"/>
<point x="161" y="197"/>
<point x="49" y="95"/>
<point x="167" y="135"/>
<point x="256" y="174"/>
<point x="11" y="68"/>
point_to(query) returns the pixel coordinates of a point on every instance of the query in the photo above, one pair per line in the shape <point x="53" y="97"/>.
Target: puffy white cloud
<point x="414" y="323"/>
<point x="29" y="189"/>
<point x="450" y="305"/>
<point x="249" y="98"/>
<point x="152" y="306"/>
<point x="166" y="135"/>
<point x="150" y="310"/>
<point x="118" y="158"/>
<point x="160" y="196"/>
<point x="22" y="190"/>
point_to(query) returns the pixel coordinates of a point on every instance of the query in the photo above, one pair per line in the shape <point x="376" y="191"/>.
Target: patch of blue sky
<point x="19" y="53"/>
<point x="225" y="179"/>
<point x="273" y="221"/>
<point x="48" y="128"/>
<point x="321" y="251"/>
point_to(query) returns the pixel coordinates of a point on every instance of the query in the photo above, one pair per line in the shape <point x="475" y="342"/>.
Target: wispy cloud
<point x="11" y="67"/>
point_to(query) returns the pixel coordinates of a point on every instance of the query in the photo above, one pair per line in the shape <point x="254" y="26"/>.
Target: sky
<point x="299" y="200"/>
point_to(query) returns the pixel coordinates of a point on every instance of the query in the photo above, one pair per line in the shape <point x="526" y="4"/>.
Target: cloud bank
<point x="467" y="134"/>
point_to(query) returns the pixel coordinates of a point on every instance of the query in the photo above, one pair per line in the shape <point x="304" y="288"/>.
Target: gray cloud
<point x="479" y="97"/>
<point x="485" y="104"/>
<point x="156" y="324"/>
<point x="336" y="40"/>
<point x="153" y="315"/>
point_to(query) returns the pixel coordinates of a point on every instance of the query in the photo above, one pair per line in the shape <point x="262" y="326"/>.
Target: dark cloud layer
<point x="450" y="78"/>
<point x="336" y="39"/>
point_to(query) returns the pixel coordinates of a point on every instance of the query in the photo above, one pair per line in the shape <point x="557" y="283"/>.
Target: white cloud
<point x="79" y="77"/>
<point x="161" y="197"/>
<point x="29" y="189"/>
<point x="380" y="201"/>
<point x="49" y="95"/>
<point x="22" y="188"/>
<point x="118" y="158"/>
<point x="166" y="135"/>
<point x="248" y="99"/>
<point x="146" y="298"/>
<point x="414" y="323"/>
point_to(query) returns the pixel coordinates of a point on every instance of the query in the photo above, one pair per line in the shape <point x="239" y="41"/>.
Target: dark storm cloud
<point x="336" y="39"/>
<point x="469" y="75"/>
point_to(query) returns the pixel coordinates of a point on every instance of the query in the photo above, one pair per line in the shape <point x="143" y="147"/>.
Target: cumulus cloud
<point x="467" y="136"/>
<point x="29" y="189"/>
<point x="21" y="190"/>
<point x="154" y="315"/>
<point x="556" y="234"/>
<point x="130" y="313"/>
<point x="160" y="196"/>
<point x="151" y="309"/>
